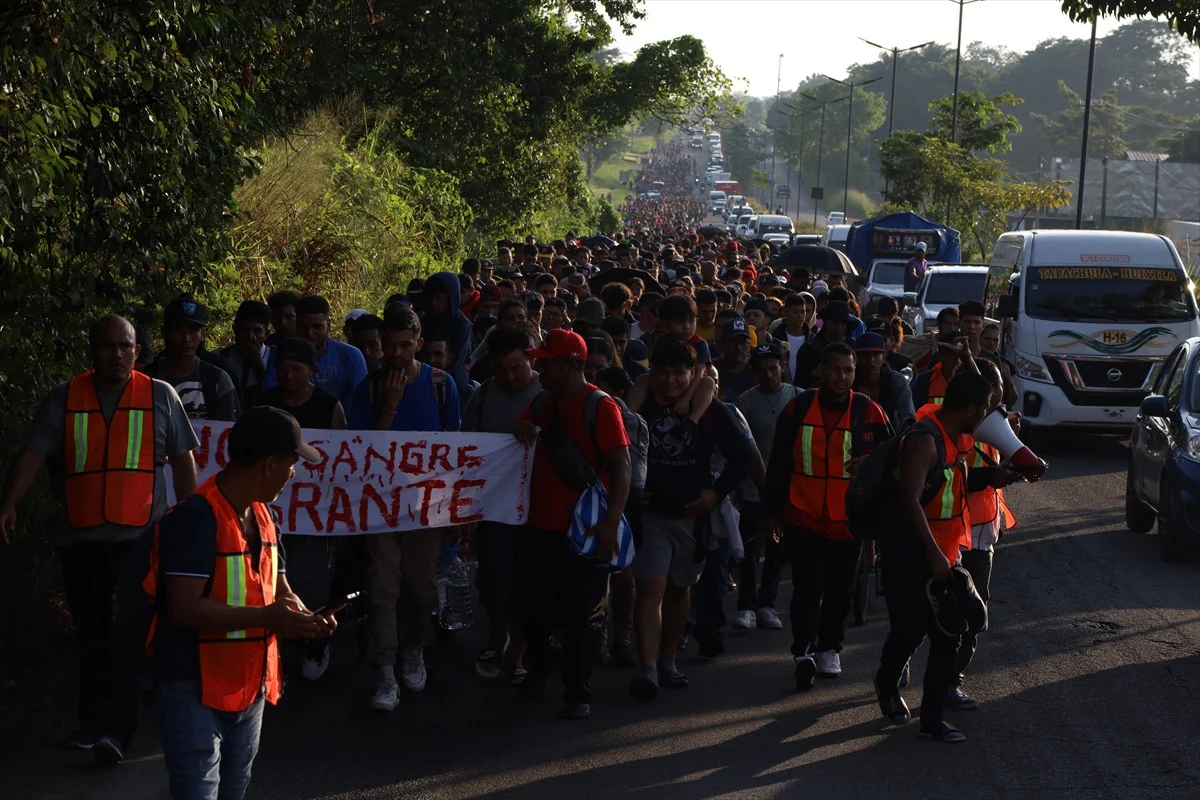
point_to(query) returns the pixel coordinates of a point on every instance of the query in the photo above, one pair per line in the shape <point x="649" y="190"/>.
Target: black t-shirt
<point x="187" y="543"/>
<point x="316" y="413"/>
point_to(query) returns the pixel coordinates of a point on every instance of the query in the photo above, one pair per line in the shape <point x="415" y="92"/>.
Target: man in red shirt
<point x="556" y="587"/>
<point x="819" y="440"/>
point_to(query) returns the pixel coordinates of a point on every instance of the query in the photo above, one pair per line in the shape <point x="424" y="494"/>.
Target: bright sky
<point x="745" y="37"/>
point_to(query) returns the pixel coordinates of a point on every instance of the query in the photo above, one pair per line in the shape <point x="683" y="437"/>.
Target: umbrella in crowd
<point x="623" y="275"/>
<point x="817" y="259"/>
<point x="709" y="231"/>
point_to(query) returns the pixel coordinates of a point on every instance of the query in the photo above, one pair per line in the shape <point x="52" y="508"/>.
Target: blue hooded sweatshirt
<point x="457" y="326"/>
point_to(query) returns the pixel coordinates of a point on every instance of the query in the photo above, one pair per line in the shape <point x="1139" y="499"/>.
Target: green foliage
<point x="1185" y="144"/>
<point x="982" y="124"/>
<point x="1065" y="130"/>
<point x="858" y="205"/>
<point x="1184" y="15"/>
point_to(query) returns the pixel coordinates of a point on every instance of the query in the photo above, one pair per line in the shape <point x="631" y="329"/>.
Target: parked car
<point x="886" y="279"/>
<point x="943" y="286"/>
<point x="744" y="223"/>
<point x="1162" y="484"/>
<point x="806" y="238"/>
<point x="835" y="218"/>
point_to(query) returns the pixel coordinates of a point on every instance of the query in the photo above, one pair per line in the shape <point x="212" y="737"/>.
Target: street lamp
<point x="849" y="122"/>
<point x="821" y="149"/>
<point x="954" y="112"/>
<point x="1087" y="121"/>
<point x="895" y="51"/>
<point x="787" y="200"/>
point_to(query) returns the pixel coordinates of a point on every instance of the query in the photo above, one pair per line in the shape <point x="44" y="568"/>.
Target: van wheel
<point x="1169" y="546"/>
<point x="1139" y="517"/>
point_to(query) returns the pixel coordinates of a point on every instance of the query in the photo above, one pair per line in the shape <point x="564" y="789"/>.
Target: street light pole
<point x="787" y="200"/>
<point x="895" y="51"/>
<point x="821" y="149"/>
<point x="849" y="123"/>
<point x="1087" y="120"/>
<point x="954" y="112"/>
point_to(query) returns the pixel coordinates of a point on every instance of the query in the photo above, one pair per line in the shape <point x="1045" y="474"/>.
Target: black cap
<point x="296" y="349"/>
<point x="263" y="432"/>
<point x="185" y="309"/>
<point x="836" y="311"/>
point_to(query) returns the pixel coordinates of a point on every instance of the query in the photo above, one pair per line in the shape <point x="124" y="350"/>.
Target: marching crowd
<point x="726" y="404"/>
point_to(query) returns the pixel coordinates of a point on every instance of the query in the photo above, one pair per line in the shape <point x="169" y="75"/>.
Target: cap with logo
<point x="869" y="343"/>
<point x="185" y="309"/>
<point x="262" y="432"/>
<point x="767" y="350"/>
<point x="561" y="344"/>
<point x="734" y="329"/>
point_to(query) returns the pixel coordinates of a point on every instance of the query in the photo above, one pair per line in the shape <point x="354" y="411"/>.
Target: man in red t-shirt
<point x="555" y="586"/>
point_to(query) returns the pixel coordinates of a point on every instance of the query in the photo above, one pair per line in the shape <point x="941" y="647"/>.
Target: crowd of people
<point x="725" y="403"/>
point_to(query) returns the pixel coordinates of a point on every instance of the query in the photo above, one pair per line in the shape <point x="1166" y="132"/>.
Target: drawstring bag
<point x="591" y="508"/>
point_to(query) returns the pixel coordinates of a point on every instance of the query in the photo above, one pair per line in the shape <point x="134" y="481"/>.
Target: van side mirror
<point x="1006" y="306"/>
<point x="1154" y="405"/>
<point x="910" y="298"/>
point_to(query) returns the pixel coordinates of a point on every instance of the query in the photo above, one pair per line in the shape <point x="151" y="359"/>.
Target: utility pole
<point x="895" y="51"/>
<point x="849" y="123"/>
<point x="954" y="112"/>
<point x="787" y="200"/>
<point x="1087" y="119"/>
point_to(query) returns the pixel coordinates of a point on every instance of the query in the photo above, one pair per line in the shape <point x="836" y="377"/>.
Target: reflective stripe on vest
<point x="937" y="385"/>
<point x="821" y="471"/>
<point x="236" y="665"/>
<point x="946" y="512"/>
<point x="110" y="464"/>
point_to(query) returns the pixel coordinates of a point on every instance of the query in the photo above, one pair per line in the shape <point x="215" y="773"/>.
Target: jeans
<point x="709" y="594"/>
<point x="905" y="573"/>
<point x="557" y="588"/>
<point x="107" y="693"/>
<point x="759" y="544"/>
<point x="979" y="564"/>
<point x="208" y="753"/>
<point x="822" y="583"/>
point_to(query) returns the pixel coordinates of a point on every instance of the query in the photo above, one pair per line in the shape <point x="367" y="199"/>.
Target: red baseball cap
<point x="561" y="344"/>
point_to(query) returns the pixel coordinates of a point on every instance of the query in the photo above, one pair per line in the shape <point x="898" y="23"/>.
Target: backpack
<point x="570" y="464"/>
<point x="872" y="508"/>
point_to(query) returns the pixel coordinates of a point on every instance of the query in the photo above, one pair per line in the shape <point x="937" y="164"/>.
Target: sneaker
<point x="314" y="667"/>
<point x="575" y="711"/>
<point x="943" y="732"/>
<point x="769" y="619"/>
<point x="517" y="676"/>
<point x="387" y="696"/>
<point x="82" y="739"/>
<point x="957" y="698"/>
<point x="744" y="621"/>
<point x="829" y="664"/>
<point x="806" y="671"/>
<point x="487" y="666"/>
<point x="904" y="676"/>
<point x="107" y="751"/>
<point x="622" y="656"/>
<point x="414" y="670"/>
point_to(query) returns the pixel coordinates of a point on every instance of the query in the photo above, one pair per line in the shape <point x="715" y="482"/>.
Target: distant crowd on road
<point x="726" y="403"/>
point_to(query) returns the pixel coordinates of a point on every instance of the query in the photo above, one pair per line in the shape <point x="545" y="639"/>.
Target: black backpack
<point x="872" y="508"/>
<point x="570" y="464"/>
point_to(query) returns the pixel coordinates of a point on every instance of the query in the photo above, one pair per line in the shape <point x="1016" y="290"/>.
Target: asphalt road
<point x="1087" y="680"/>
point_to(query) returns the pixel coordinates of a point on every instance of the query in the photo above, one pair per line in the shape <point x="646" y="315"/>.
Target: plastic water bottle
<point x="454" y="590"/>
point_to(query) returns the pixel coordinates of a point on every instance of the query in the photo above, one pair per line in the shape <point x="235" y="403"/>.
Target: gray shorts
<point x="668" y="551"/>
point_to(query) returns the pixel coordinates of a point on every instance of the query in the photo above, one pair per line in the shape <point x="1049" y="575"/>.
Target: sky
<point x="745" y="37"/>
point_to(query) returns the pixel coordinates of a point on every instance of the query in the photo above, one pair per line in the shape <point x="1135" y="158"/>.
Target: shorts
<point x="495" y="551"/>
<point x="668" y="551"/>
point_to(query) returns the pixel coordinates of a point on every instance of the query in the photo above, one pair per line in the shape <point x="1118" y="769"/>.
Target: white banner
<point x="379" y="481"/>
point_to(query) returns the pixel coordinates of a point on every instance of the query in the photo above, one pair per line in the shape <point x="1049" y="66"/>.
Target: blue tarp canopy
<point x="895" y="236"/>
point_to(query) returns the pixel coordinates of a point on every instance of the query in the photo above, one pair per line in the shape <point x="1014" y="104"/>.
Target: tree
<point x="1065" y="130"/>
<point x="1183" y="15"/>
<point x="982" y="124"/>
<point x="923" y="169"/>
<point x="1184" y="146"/>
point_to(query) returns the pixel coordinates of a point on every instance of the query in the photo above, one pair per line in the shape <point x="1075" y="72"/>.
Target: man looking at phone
<point x="224" y="598"/>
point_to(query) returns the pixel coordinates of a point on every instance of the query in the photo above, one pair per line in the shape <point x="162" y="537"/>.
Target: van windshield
<point x="1109" y="294"/>
<point x="888" y="273"/>
<point x="952" y="288"/>
<point x="774" y="227"/>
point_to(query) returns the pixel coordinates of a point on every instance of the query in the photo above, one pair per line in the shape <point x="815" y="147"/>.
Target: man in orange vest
<point x="930" y="386"/>
<point x="819" y="439"/>
<point x="223" y="599"/>
<point x="104" y="436"/>
<point x="934" y="525"/>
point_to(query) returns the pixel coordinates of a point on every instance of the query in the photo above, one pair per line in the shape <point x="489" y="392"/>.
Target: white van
<point x="943" y="286"/>
<point x="835" y="236"/>
<point x="1089" y="318"/>
<point x="772" y="228"/>
<point x="715" y="199"/>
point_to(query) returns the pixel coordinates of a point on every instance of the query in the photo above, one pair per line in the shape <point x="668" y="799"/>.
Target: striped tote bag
<point x="591" y="508"/>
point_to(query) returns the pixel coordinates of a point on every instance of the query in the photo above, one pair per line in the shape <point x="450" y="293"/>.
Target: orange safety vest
<point x="236" y="665"/>
<point x="937" y="384"/>
<point x="947" y="512"/>
<point x="110" y="469"/>
<point x="821" y="464"/>
<point x="986" y="505"/>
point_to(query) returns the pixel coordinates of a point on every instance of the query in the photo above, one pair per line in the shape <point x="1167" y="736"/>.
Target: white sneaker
<point x="744" y="621"/>
<point x="414" y="670"/>
<point x="829" y="664"/>
<point x="314" y="668"/>
<point x="387" y="696"/>
<point x="767" y="618"/>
